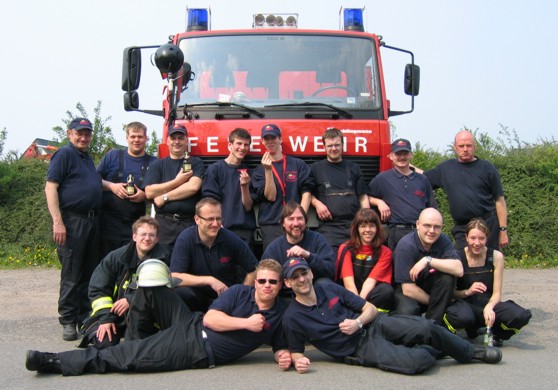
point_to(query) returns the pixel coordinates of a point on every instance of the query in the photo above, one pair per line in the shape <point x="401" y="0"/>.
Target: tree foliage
<point x="102" y="140"/>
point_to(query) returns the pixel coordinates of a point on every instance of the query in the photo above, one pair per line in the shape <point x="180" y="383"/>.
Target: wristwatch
<point x="165" y="198"/>
<point x="359" y="322"/>
<point x="503" y="228"/>
<point x="428" y="260"/>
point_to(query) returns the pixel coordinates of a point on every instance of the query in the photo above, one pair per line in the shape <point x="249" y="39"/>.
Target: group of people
<point x="344" y="288"/>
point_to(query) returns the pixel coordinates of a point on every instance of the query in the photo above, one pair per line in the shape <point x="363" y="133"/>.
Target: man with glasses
<point x="73" y="193"/>
<point x="426" y="266"/>
<point x="339" y="191"/>
<point x="109" y="288"/>
<point x="238" y="322"/>
<point x="207" y="258"/>
<point x="350" y="329"/>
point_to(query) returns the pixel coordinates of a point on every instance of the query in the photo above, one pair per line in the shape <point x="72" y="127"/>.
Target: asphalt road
<point x="28" y="320"/>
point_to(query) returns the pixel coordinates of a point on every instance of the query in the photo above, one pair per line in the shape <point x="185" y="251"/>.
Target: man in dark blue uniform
<point x="400" y="194"/>
<point x="123" y="173"/>
<point x="474" y="189"/>
<point x="228" y="181"/>
<point x="278" y="180"/>
<point x="339" y="191"/>
<point x="206" y="258"/>
<point x="343" y="325"/>
<point x="426" y="266"/>
<point x="73" y="193"/>
<point x="173" y="189"/>
<point x="298" y="241"/>
<point x="239" y="321"/>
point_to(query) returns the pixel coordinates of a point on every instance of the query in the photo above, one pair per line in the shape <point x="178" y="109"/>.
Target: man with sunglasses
<point x="350" y="329"/>
<point x="426" y="266"/>
<point x="238" y="322"/>
<point x="209" y="258"/>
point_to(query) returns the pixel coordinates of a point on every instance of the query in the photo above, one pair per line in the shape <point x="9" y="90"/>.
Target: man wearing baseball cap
<point x="173" y="190"/>
<point x="277" y="180"/>
<point x="400" y="194"/>
<point x="73" y="193"/>
<point x="350" y="329"/>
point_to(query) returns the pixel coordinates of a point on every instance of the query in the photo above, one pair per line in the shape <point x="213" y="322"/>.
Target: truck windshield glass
<point x="263" y="70"/>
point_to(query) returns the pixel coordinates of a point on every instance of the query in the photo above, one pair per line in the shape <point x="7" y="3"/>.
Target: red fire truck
<point x="302" y="80"/>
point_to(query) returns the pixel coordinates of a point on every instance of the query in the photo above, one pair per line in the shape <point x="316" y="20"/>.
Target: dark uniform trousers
<point x="177" y="346"/>
<point x="510" y="317"/>
<point x="79" y="257"/>
<point x="440" y="288"/>
<point x="409" y="344"/>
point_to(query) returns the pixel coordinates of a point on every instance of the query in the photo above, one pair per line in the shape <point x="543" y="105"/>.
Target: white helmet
<point x="154" y="273"/>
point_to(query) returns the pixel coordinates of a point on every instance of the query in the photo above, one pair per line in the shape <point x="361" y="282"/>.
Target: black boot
<point x="490" y="355"/>
<point x="43" y="362"/>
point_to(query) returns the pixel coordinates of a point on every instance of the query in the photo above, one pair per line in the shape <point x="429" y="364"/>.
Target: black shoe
<point x="497" y="342"/>
<point x="69" y="333"/>
<point x="491" y="355"/>
<point x="42" y="362"/>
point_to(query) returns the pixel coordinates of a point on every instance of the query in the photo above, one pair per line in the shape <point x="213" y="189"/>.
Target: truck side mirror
<point x="131" y="101"/>
<point x="412" y="79"/>
<point x="131" y="69"/>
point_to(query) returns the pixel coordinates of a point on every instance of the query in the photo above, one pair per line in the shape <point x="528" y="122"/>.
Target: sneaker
<point x="491" y="355"/>
<point x="69" y="333"/>
<point x="42" y="362"/>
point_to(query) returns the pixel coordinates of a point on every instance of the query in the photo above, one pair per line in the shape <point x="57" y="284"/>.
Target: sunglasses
<point x="270" y="281"/>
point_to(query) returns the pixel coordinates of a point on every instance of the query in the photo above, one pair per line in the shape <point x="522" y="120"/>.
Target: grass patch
<point x="40" y="256"/>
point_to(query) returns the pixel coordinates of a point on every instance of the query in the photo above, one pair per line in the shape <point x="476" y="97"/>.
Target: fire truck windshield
<point x="270" y="69"/>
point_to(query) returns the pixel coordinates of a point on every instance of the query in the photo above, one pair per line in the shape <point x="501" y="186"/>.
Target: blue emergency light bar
<point x="353" y="19"/>
<point x="198" y="19"/>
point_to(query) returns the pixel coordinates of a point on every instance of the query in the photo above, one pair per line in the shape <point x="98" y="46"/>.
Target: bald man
<point x="426" y="266"/>
<point x="474" y="190"/>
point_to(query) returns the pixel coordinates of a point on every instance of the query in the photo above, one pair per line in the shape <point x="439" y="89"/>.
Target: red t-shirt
<point x="382" y="271"/>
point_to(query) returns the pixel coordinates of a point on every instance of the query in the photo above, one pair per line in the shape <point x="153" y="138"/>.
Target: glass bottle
<point x="488" y="337"/>
<point x="130" y="189"/>
<point x="186" y="165"/>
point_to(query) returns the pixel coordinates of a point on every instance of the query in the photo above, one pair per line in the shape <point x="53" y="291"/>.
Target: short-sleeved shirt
<point x="406" y="195"/>
<point x="239" y="301"/>
<point x="190" y="255"/>
<point x="319" y="324"/>
<point x="79" y="185"/>
<point x="294" y="175"/>
<point x="321" y="259"/>
<point x="166" y="169"/>
<point x="222" y="182"/>
<point x="110" y="169"/>
<point x="339" y="186"/>
<point x="381" y="272"/>
<point x="410" y="250"/>
<point x="471" y="187"/>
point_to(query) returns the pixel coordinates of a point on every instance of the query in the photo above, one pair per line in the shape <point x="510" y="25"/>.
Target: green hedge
<point x="529" y="175"/>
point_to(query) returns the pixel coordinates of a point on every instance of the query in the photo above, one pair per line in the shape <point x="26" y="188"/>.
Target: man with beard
<point x="300" y="242"/>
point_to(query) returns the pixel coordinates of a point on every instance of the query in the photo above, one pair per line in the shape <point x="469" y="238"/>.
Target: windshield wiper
<point x="251" y="110"/>
<point x="316" y="104"/>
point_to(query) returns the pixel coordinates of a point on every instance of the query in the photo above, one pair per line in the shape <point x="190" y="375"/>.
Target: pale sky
<point x="482" y="62"/>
